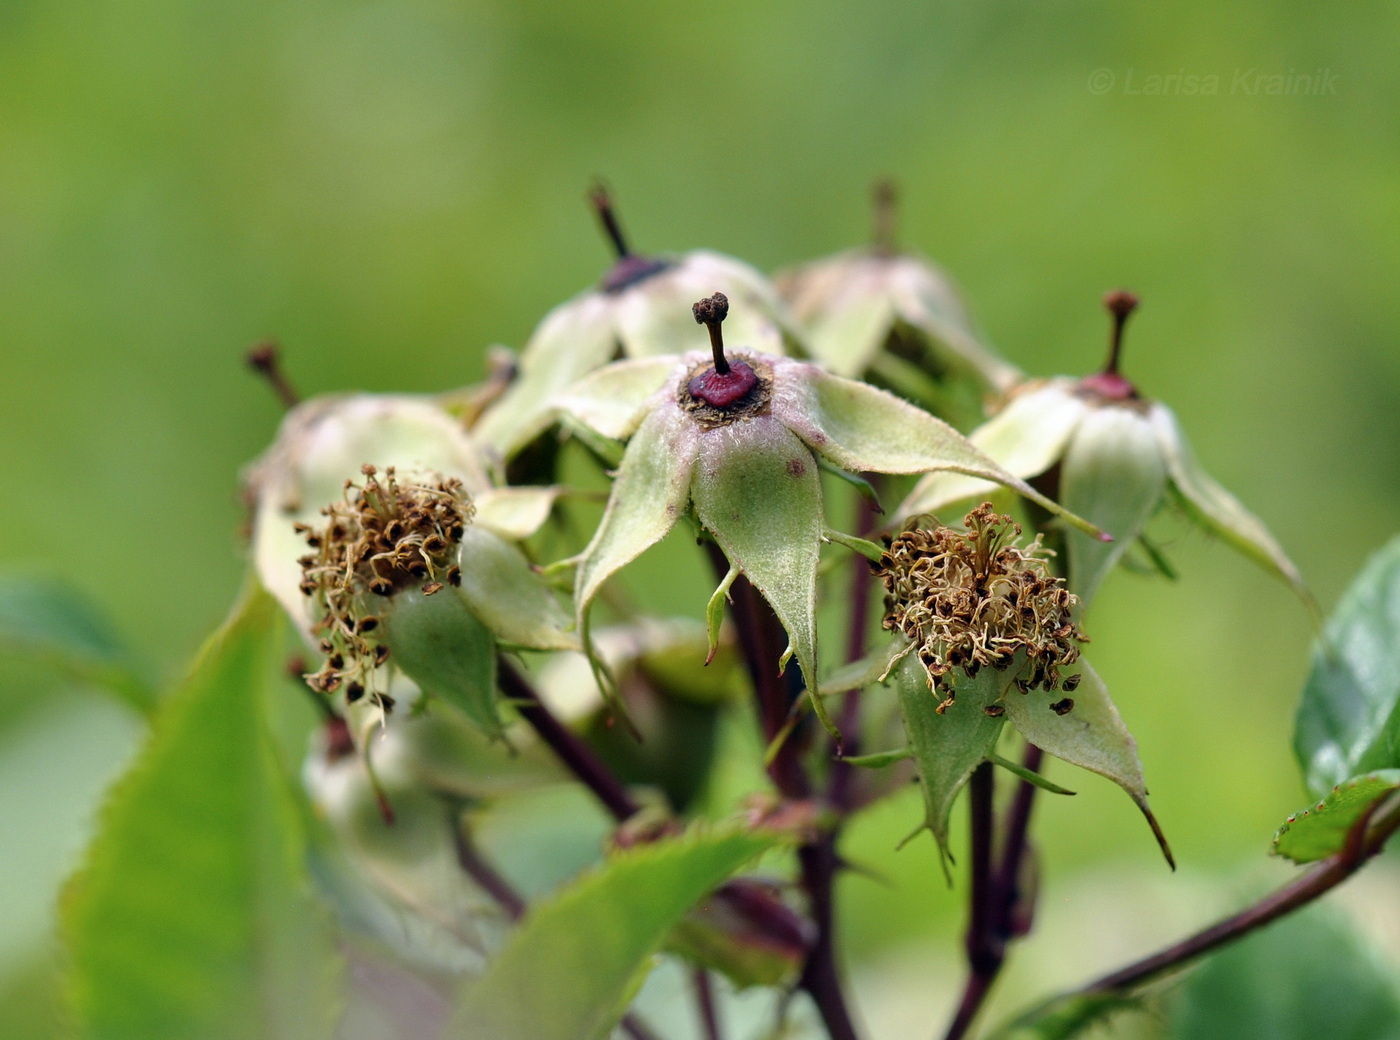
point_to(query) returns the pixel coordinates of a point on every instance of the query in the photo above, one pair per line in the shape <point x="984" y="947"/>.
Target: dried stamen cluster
<point x="383" y="537"/>
<point x="972" y="599"/>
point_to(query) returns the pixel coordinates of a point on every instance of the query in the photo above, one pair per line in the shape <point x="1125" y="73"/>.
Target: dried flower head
<point x="382" y="537"/>
<point x="973" y="599"/>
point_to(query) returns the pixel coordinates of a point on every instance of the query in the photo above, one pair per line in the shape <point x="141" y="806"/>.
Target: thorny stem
<point x="601" y="201"/>
<point x="1120" y="303"/>
<point x="265" y="359"/>
<point x="761" y="639"/>
<point x="711" y="313"/>
<point x="1366" y="838"/>
<point x="576" y="755"/>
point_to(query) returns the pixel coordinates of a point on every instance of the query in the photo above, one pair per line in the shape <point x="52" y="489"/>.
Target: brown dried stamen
<point x="383" y="536"/>
<point x="973" y="599"/>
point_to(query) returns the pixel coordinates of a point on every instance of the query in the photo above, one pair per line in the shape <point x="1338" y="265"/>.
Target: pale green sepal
<point x="757" y="491"/>
<point x="649" y="495"/>
<point x="1219" y="510"/>
<point x="1113" y="475"/>
<point x="865" y="429"/>
<point x="948" y="747"/>
<point x="514" y="513"/>
<point x="870" y="669"/>
<point x="606" y="450"/>
<point x="925" y="297"/>
<point x="509" y="597"/>
<point x="654" y="318"/>
<point x="714" y="613"/>
<point x="573" y="339"/>
<point x="849" y="330"/>
<point x="1091" y="736"/>
<point x="441" y="646"/>
<point x="322" y="443"/>
<point x="863" y="546"/>
<point x="612" y="400"/>
<point x="1016" y="769"/>
<point x="863" y="486"/>
<point x="1026" y="437"/>
<point x="879" y="759"/>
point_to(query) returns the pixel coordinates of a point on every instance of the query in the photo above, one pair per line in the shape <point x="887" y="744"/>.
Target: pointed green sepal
<point x="1091" y="734"/>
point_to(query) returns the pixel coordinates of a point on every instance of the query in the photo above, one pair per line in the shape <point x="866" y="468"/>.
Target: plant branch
<point x="986" y="949"/>
<point x="839" y="785"/>
<point x="705" y="1001"/>
<point x="571" y="750"/>
<point x="1367" y="838"/>
<point x="761" y="639"/>
<point x="511" y="901"/>
<point x="1015" y="846"/>
<point x="483" y="873"/>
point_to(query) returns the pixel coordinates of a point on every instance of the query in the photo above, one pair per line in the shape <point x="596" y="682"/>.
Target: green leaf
<point x="1091" y="736"/>
<point x="1306" y="977"/>
<point x="570" y="969"/>
<point x="758" y="492"/>
<point x="1063" y="1017"/>
<point x="1114" y="476"/>
<point x="1320" y="830"/>
<point x="442" y="646"/>
<point x="947" y="747"/>
<point x="54" y="622"/>
<point x="192" y="916"/>
<point x="1349" y="718"/>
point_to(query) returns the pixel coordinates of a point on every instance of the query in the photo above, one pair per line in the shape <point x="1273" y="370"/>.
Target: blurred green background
<point x="390" y="187"/>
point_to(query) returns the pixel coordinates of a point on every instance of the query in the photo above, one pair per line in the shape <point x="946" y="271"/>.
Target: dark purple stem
<point x="601" y="201"/>
<point x="484" y="874"/>
<point x="705" y="1001"/>
<point x="761" y="640"/>
<point x="986" y="951"/>
<point x="1363" y="842"/>
<point x="576" y="755"/>
<point x="1016" y="845"/>
<point x="839" y="786"/>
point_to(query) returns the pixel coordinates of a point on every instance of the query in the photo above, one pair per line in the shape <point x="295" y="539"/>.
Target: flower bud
<point x="637" y="318"/>
<point x="396" y="569"/>
<point x="894" y="316"/>
<point x="747" y="465"/>
<point x="1121" y="457"/>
